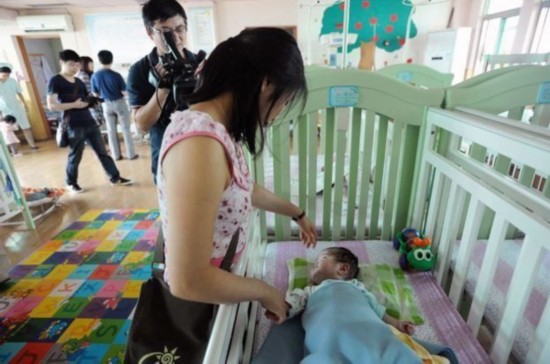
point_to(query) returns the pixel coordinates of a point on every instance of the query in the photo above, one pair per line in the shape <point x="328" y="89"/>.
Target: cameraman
<point x="149" y="86"/>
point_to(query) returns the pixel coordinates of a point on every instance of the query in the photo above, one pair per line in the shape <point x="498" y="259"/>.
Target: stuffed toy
<point x="415" y="250"/>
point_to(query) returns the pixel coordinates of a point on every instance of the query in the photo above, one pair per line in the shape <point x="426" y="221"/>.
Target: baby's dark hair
<point x="344" y="255"/>
<point x="10" y="119"/>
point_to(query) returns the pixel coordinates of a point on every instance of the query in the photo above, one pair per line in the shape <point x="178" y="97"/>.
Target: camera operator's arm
<point x="147" y="115"/>
<point x="54" y="105"/>
<point x="145" y="98"/>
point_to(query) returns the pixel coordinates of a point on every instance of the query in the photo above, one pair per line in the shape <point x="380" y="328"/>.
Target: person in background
<point x="66" y="93"/>
<point x="85" y="74"/>
<point x="151" y="100"/>
<point x="10" y="92"/>
<point x="8" y="127"/>
<point x="110" y="86"/>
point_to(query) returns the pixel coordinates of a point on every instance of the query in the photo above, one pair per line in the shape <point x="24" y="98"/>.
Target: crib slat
<point x="353" y="171"/>
<point x="455" y="204"/>
<point x="322" y="125"/>
<point x="301" y="139"/>
<point x="312" y="166"/>
<point x="364" y="198"/>
<point x="406" y="178"/>
<point x="338" y="184"/>
<point x="437" y="186"/>
<point x="392" y="180"/>
<point x="478" y="152"/>
<point x="441" y="209"/>
<point x="328" y="164"/>
<point x="517" y="296"/>
<point x="281" y="173"/>
<point x="425" y="179"/>
<point x="378" y="175"/>
<point x="546" y="189"/>
<point x="516" y="114"/>
<point x="469" y="237"/>
<point x="502" y="164"/>
<point x="487" y="272"/>
<point x="526" y="175"/>
<point x="539" y="349"/>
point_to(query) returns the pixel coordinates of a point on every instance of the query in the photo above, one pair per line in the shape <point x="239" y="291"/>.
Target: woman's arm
<point x="196" y="171"/>
<point x="267" y="200"/>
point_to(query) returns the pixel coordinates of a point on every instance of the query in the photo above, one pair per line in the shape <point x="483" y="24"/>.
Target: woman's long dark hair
<point x="239" y="65"/>
<point x="85" y="63"/>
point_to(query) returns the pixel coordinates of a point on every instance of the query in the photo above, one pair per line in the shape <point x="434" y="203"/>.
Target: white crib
<point x="450" y="184"/>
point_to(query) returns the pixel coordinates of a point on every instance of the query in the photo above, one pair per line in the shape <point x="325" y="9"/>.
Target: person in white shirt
<point x="12" y="103"/>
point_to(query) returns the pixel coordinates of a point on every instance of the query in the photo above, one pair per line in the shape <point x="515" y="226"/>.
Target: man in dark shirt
<point x="66" y="93"/>
<point x="111" y="87"/>
<point x="146" y="94"/>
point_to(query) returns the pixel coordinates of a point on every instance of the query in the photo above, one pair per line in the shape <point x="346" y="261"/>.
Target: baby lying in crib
<point x="342" y="320"/>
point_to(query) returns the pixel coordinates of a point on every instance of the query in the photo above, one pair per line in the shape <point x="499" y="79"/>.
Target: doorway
<point x="40" y="58"/>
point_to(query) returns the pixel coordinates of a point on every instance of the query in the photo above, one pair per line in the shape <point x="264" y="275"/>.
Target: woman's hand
<point x="276" y="308"/>
<point x="308" y="232"/>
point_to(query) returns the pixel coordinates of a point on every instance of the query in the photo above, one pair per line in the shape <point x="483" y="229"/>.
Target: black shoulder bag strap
<point x="159" y="259"/>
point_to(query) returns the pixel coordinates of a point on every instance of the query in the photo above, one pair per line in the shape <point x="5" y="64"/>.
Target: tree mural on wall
<point x="383" y="22"/>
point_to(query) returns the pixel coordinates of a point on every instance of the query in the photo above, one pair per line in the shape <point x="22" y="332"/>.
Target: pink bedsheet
<point x="505" y="269"/>
<point x="443" y="323"/>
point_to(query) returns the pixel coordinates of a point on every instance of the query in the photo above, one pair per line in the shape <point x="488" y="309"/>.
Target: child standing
<point x="342" y="320"/>
<point x="8" y="128"/>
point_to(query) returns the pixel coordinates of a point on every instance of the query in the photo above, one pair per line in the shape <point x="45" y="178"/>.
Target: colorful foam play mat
<point x="72" y="299"/>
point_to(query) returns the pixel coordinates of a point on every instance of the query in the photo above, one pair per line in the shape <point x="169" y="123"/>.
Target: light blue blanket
<point x="341" y="327"/>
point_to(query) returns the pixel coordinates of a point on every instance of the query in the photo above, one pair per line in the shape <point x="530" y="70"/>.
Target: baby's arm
<point x="404" y="326"/>
<point x="297" y="300"/>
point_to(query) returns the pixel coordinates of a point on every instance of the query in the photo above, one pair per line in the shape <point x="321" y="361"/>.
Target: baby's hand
<point x="406" y="326"/>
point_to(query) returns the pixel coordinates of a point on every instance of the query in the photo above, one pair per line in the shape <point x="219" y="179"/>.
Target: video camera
<point x="181" y="72"/>
<point x="93" y="101"/>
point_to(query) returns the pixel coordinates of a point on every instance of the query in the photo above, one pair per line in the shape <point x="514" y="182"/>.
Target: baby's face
<point x="325" y="267"/>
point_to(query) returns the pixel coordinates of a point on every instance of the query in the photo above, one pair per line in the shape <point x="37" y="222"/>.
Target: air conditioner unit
<point x="45" y="23"/>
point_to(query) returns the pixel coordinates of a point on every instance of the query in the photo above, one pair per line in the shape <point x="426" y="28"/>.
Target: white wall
<point x="427" y="18"/>
<point x="233" y="16"/>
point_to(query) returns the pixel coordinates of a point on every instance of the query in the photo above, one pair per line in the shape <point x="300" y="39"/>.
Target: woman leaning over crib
<point x="206" y="191"/>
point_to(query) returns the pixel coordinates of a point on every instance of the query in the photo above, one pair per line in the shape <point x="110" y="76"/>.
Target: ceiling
<point x="57" y="4"/>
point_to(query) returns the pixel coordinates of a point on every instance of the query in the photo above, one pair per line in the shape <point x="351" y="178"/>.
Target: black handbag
<point x="168" y="329"/>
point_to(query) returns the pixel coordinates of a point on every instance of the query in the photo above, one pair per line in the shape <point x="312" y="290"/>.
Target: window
<point x="498" y="6"/>
<point x="541" y="40"/>
<point x="498" y="30"/>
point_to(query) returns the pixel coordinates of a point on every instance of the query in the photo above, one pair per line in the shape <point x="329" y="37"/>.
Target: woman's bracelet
<point x="296" y="218"/>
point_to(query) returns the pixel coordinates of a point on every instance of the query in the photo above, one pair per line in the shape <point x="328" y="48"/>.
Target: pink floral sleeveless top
<point x="236" y="203"/>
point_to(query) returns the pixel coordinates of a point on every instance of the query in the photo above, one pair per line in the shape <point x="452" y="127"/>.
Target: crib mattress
<point x="505" y="269"/>
<point x="442" y="324"/>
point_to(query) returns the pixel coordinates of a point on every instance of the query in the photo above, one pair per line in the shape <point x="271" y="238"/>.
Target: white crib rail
<point x="226" y="341"/>
<point x="453" y="175"/>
